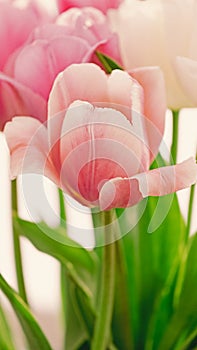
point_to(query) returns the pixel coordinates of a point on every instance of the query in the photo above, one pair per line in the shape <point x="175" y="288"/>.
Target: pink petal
<point x="87" y="23"/>
<point x="152" y="81"/>
<point x="28" y="144"/>
<point x="15" y="26"/>
<point x="85" y="82"/>
<point x="186" y="69"/>
<point x="47" y="32"/>
<point x="127" y="96"/>
<point x="102" y="5"/>
<point x="126" y="92"/>
<point x="91" y="25"/>
<point x="110" y="48"/>
<point x="23" y="101"/>
<point x="97" y="144"/>
<point x="38" y="64"/>
<point x="158" y="182"/>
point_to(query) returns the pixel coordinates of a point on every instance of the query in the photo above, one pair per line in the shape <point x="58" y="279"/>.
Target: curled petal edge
<point x="126" y="192"/>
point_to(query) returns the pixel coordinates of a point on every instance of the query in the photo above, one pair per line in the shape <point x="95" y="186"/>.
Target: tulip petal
<point x="127" y="96"/>
<point x="126" y="92"/>
<point x="97" y="144"/>
<point x="186" y="69"/>
<point x="110" y="47"/>
<point x="15" y="26"/>
<point x="74" y="83"/>
<point x="153" y="33"/>
<point x="152" y="81"/>
<point x="158" y="182"/>
<point x="28" y="144"/>
<point x="87" y="23"/>
<point x="102" y="5"/>
<point x="17" y="99"/>
<point x="43" y="60"/>
<point x="90" y="24"/>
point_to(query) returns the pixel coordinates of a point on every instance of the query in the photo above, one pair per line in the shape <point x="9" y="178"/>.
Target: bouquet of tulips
<point x="84" y="91"/>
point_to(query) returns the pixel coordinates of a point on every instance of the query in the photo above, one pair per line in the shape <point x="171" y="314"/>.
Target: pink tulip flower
<point x="102" y="5"/>
<point x="97" y="145"/>
<point x="91" y="25"/>
<point x="30" y="71"/>
<point x="16" y="24"/>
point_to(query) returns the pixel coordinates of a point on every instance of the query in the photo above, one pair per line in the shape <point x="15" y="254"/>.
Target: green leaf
<point x="165" y="249"/>
<point x="80" y="310"/>
<point x="6" y="342"/>
<point x="107" y="62"/>
<point x="121" y="324"/>
<point x="81" y="267"/>
<point x="182" y="326"/>
<point x="33" y="332"/>
<point x="54" y="242"/>
<point x="80" y="314"/>
<point x="150" y="260"/>
<point x="76" y="332"/>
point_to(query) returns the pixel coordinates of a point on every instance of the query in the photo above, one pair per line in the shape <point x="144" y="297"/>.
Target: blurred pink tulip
<point x="102" y="5"/>
<point x="16" y="24"/>
<point x="51" y="48"/>
<point x="97" y="145"/>
<point x="91" y="25"/>
<point x="161" y="33"/>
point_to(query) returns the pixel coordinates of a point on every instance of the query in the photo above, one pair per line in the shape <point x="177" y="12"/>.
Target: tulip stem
<point x="63" y="268"/>
<point x="17" y="250"/>
<point x="190" y="208"/>
<point x="62" y="209"/>
<point x="175" y="132"/>
<point x="102" y="330"/>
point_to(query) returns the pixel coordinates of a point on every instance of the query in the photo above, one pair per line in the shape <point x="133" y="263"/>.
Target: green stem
<point x="63" y="272"/>
<point x="175" y="132"/>
<point x="189" y="215"/>
<point x="62" y="208"/>
<point x="17" y="251"/>
<point x="101" y="337"/>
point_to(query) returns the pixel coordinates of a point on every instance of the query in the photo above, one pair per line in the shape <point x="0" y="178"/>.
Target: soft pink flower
<point x="15" y="26"/>
<point x="31" y="70"/>
<point x="91" y="25"/>
<point x="97" y="145"/>
<point x="102" y="5"/>
<point x="161" y="33"/>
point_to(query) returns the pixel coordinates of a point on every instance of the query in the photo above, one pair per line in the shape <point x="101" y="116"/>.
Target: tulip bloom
<point x="29" y="72"/>
<point x="15" y="26"/>
<point x="97" y="145"/>
<point x="102" y="5"/>
<point x="92" y="26"/>
<point x="161" y="33"/>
